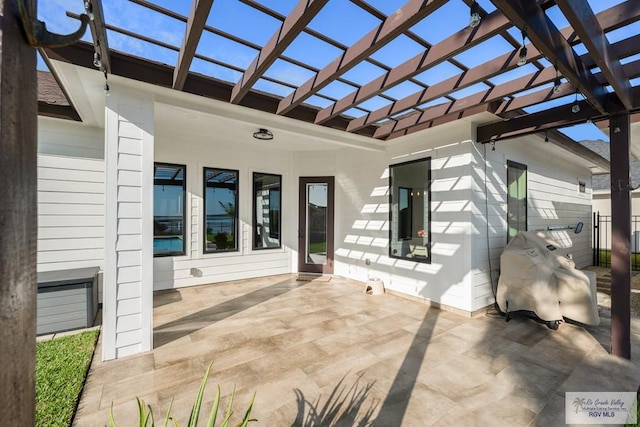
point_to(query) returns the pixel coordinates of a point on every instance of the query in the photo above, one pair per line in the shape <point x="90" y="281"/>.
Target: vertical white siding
<point x="128" y="279"/>
<point x="70" y="213"/>
<point x="553" y="200"/>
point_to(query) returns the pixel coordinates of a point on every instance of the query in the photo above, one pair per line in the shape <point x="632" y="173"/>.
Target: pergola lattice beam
<point x="294" y="23"/>
<point x="484" y="97"/>
<point x="405" y="17"/>
<point x="551" y="118"/>
<point x="587" y="27"/>
<point x="462" y="40"/>
<point x="542" y="32"/>
<point x="497" y="93"/>
<point x="609" y="19"/>
<point x="195" y="25"/>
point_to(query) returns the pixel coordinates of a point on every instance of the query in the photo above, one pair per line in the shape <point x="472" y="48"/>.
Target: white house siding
<point x="602" y="202"/>
<point x="70" y="196"/>
<point x="362" y="231"/>
<point x="197" y="148"/>
<point x="70" y="214"/>
<point x="128" y="277"/>
<point x="553" y="200"/>
<point x="68" y="138"/>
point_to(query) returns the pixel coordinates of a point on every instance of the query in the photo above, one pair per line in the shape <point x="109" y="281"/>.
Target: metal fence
<point x="602" y="241"/>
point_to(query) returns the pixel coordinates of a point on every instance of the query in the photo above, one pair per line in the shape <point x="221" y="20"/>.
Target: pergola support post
<point x="619" y="132"/>
<point x="18" y="219"/>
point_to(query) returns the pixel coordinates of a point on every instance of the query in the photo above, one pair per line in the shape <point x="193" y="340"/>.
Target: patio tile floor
<point x="389" y="361"/>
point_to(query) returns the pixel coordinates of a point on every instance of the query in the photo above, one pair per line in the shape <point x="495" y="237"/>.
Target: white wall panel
<point x="129" y="147"/>
<point x="553" y="201"/>
<point x="70" y="209"/>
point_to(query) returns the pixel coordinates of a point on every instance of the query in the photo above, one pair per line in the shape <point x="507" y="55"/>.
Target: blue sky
<point x="339" y="19"/>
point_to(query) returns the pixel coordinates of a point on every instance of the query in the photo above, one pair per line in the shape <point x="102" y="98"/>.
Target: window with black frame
<point x="220" y="210"/>
<point x="266" y="210"/>
<point x="410" y="213"/>
<point x="169" y="184"/>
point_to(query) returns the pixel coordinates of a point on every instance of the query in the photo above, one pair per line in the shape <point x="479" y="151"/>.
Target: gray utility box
<point x="67" y="299"/>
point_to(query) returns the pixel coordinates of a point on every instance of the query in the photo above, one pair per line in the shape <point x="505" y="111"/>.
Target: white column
<point x="128" y="276"/>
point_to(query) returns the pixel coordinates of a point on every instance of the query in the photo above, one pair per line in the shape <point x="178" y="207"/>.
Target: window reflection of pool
<point x="167" y="245"/>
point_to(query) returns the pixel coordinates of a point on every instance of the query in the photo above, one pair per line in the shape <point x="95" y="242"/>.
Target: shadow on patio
<point x="319" y="353"/>
<point x="201" y="318"/>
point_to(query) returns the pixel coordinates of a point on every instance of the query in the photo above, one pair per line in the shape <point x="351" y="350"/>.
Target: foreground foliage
<point x="61" y="368"/>
<point x="146" y="419"/>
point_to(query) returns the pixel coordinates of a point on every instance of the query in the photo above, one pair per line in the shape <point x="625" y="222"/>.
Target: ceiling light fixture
<point x="522" y="57"/>
<point x="475" y="18"/>
<point x="546" y="137"/>
<point x="263" y="134"/>
<point x="556" y="83"/>
<point x="575" y="108"/>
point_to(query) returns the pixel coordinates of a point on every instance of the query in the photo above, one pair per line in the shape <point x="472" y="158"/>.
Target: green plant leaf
<point x="195" y="411"/>
<point x="112" y="422"/>
<point x="146" y="418"/>
<point x="227" y="417"/>
<point x="214" y="410"/>
<point x="142" y="413"/>
<point x="168" y="416"/>
<point x="149" y="416"/>
<point x="246" y="420"/>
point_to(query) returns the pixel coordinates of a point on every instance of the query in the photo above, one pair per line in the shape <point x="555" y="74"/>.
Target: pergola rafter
<point x="195" y="25"/>
<point x="404" y="18"/>
<point x="584" y="22"/>
<point x="609" y="19"/>
<point x="448" y="48"/>
<point x="302" y="14"/>
<point x="538" y="27"/>
<point x="505" y="90"/>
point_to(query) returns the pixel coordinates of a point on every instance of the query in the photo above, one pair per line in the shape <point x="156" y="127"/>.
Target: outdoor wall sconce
<point x="475" y="18"/>
<point x="263" y="134"/>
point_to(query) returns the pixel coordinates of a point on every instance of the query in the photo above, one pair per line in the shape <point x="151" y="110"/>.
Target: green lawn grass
<point x="61" y="368"/>
<point x="319" y="247"/>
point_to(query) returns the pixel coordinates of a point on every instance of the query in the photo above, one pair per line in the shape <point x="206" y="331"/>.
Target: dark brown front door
<point x="315" y="225"/>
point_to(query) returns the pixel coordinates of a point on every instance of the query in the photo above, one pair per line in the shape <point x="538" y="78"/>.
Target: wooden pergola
<point x="586" y="68"/>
